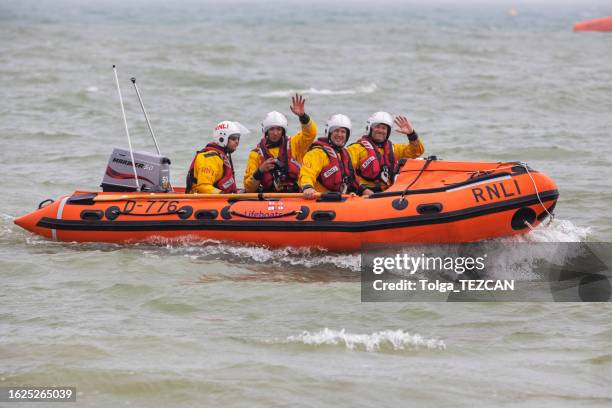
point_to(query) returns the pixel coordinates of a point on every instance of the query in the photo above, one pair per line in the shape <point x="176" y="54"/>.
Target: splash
<point x="394" y="340"/>
<point x="515" y="262"/>
<point x="519" y="257"/>
<point x="367" y="89"/>
<point x="9" y="232"/>
<point x="306" y="257"/>
<point x="557" y="231"/>
<point x="514" y="258"/>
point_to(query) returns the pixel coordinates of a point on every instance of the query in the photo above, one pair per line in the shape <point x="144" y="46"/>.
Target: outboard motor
<point x="153" y="172"/>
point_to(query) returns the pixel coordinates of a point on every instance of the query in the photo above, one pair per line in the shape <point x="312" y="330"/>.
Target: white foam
<point x="387" y="339"/>
<point x="520" y="261"/>
<point x="515" y="261"/>
<point x="558" y="231"/>
<point x="196" y="248"/>
<point x="7" y="223"/>
<point x="92" y="89"/>
<point x="366" y="89"/>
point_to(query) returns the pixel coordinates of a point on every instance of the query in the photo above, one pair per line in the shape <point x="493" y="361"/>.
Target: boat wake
<point x="557" y="231"/>
<point x="308" y="265"/>
<point x="249" y="255"/>
<point x="300" y="264"/>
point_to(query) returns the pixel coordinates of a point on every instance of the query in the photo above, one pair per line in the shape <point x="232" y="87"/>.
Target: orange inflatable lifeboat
<point x="598" y="24"/>
<point x="432" y="201"/>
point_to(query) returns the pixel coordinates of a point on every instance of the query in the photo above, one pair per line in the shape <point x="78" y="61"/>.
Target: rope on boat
<point x="535" y="187"/>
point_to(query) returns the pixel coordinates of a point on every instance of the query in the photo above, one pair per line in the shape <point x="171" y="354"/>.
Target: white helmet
<point x="227" y="128"/>
<point x="338" y="121"/>
<point x="377" y="118"/>
<point x="273" y="119"/>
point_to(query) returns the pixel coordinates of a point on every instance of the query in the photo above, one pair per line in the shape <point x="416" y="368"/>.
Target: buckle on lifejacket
<point x="384" y="175"/>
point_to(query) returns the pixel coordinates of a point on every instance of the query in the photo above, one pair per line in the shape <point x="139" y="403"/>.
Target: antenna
<point x="127" y="132"/>
<point x="145" y="115"/>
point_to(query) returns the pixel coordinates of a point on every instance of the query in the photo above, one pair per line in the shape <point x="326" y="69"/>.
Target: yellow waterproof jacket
<point x="207" y="170"/>
<point x="314" y="161"/>
<point x="299" y="143"/>
<point x="359" y="153"/>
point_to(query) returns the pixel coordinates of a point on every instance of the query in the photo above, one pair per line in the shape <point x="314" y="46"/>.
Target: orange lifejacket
<point x="283" y="177"/>
<point x="376" y="167"/>
<point x="227" y="182"/>
<point x="338" y="175"/>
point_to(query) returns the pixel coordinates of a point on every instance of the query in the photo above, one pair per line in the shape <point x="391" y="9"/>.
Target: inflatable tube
<point x="447" y="202"/>
<point x="598" y="24"/>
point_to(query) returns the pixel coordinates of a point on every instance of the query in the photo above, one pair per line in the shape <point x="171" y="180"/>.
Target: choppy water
<point x="223" y="325"/>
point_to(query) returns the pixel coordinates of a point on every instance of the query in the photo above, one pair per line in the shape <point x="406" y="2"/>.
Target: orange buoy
<point x="598" y="24"/>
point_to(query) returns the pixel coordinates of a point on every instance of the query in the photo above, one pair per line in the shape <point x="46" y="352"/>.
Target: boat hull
<point x="449" y="203"/>
<point x="603" y="24"/>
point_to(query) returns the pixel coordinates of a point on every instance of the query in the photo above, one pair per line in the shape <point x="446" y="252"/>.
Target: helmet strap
<point x="270" y="144"/>
<point x="332" y="144"/>
<point x="374" y="142"/>
<point x="336" y="147"/>
<point x="381" y="144"/>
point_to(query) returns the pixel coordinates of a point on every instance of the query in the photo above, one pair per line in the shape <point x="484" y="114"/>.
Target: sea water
<point x="215" y="324"/>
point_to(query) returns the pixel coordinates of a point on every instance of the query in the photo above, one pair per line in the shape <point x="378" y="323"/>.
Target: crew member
<point x="274" y="165"/>
<point x="327" y="165"/>
<point x="212" y="170"/>
<point x="375" y="158"/>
